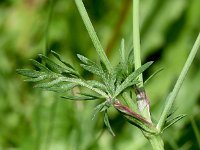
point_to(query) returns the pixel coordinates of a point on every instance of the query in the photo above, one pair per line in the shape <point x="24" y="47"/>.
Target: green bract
<point x="61" y="78"/>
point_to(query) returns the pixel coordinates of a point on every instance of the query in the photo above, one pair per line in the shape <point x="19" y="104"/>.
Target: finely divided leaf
<point x="59" y="58"/>
<point x="131" y="59"/>
<point x="173" y="121"/>
<point x="30" y="73"/>
<point x="91" y="95"/>
<point x="123" y="86"/>
<point x="85" y="60"/>
<point x="62" y="87"/>
<point x="55" y="67"/>
<point x="93" y="69"/>
<point x="97" y="84"/>
<point x="82" y="96"/>
<point x="131" y="79"/>
<point x="155" y="73"/>
<point x="39" y="65"/>
<point x="49" y="84"/>
<point x="91" y="66"/>
<point x="107" y="123"/>
<point x="78" y="98"/>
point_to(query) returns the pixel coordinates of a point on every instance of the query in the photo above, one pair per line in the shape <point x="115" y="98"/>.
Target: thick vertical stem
<point x="156" y="142"/>
<point x="137" y="58"/>
<point x="136" y="39"/>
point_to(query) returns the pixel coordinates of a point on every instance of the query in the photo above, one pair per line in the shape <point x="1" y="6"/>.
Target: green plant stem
<point x="93" y="34"/>
<point x="196" y="131"/>
<point x="137" y="58"/>
<point x="156" y="142"/>
<point x="46" y="33"/>
<point x="136" y="39"/>
<point x="178" y="84"/>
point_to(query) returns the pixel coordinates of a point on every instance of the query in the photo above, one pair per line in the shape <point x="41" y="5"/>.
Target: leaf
<point x="85" y="60"/>
<point x="55" y="67"/>
<point x="174" y="120"/>
<point x="131" y="79"/>
<point x="155" y="73"/>
<point x="90" y="95"/>
<point x="40" y="78"/>
<point x="83" y="83"/>
<point x="131" y="58"/>
<point x="139" y="71"/>
<point x="30" y="73"/>
<point x="112" y="80"/>
<point x="94" y="69"/>
<point x="107" y="123"/>
<point x="40" y="66"/>
<point x="62" y="87"/>
<point x="78" y="98"/>
<point x="59" y="58"/>
<point x="123" y="86"/>
<point x="55" y="82"/>
<point x="109" y="79"/>
<point x="97" y="84"/>
<point x="101" y="108"/>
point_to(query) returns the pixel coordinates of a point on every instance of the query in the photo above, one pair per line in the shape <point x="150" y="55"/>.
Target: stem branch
<point x="92" y="34"/>
<point x="178" y="84"/>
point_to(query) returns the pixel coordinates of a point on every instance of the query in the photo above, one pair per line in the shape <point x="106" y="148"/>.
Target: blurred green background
<point x="31" y="119"/>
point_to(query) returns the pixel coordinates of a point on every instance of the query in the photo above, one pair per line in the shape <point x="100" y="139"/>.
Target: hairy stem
<point x="178" y="84"/>
<point x="136" y="39"/>
<point x="92" y="34"/>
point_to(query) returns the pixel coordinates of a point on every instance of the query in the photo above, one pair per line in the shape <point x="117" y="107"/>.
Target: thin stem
<point x="136" y="39"/>
<point x="93" y="34"/>
<point x="196" y="131"/>
<point x="51" y="122"/>
<point x="46" y="33"/>
<point x="178" y="84"/>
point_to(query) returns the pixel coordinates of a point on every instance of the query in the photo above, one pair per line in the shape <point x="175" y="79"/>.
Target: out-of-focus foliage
<point x="31" y="119"/>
